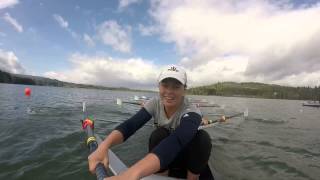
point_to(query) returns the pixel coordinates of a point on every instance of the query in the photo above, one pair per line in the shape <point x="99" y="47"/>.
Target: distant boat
<point x="311" y="103"/>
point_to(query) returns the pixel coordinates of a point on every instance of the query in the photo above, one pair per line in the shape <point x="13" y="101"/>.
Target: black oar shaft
<point x="235" y="115"/>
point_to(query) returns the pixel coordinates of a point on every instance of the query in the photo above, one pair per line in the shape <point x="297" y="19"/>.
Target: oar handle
<point x="100" y="171"/>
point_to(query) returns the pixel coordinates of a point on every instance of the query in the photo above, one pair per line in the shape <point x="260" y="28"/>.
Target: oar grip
<point x="100" y="171"/>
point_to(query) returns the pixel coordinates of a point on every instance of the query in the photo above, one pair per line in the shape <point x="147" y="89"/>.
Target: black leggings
<point x="194" y="157"/>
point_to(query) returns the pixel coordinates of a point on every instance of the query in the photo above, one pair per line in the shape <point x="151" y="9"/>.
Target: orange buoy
<point x="27" y="91"/>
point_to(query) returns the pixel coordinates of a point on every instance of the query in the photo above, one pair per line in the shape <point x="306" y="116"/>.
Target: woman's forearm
<point x="149" y="165"/>
<point x="114" y="138"/>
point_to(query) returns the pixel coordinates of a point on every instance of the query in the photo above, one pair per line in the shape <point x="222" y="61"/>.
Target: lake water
<point x="41" y="136"/>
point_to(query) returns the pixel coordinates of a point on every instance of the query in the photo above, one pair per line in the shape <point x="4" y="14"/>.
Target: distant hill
<point x="10" y="78"/>
<point x="247" y="89"/>
<point x="258" y="90"/>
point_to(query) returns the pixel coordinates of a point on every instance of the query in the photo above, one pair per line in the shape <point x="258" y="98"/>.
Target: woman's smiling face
<point x="171" y="92"/>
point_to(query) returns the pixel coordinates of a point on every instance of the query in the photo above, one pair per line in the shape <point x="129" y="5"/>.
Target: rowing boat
<point x="116" y="166"/>
<point x="311" y="103"/>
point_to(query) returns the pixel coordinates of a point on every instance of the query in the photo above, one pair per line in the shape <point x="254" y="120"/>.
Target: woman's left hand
<point x="223" y="119"/>
<point x="204" y="121"/>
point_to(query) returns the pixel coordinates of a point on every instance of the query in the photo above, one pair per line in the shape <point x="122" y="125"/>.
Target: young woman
<point x="176" y="148"/>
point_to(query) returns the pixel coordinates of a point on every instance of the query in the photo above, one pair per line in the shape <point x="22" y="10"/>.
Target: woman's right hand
<point x="98" y="156"/>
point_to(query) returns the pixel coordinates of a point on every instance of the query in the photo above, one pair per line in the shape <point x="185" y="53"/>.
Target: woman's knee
<point x="157" y="136"/>
<point x="199" y="151"/>
<point x="202" y="139"/>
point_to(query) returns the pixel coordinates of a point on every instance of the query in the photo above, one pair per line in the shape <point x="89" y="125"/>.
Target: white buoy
<point x="83" y="106"/>
<point x="246" y="113"/>
<point x="119" y="102"/>
<point x="136" y="98"/>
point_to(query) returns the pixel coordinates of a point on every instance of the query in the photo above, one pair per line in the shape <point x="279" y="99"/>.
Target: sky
<point x="127" y="43"/>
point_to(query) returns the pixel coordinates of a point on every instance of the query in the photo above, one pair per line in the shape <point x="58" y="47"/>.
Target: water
<point x="41" y="136"/>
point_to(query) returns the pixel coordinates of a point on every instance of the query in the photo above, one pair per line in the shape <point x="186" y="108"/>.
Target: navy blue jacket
<point x="168" y="148"/>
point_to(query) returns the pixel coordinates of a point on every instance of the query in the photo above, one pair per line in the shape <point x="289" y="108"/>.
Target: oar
<point x="88" y="126"/>
<point x="223" y="119"/>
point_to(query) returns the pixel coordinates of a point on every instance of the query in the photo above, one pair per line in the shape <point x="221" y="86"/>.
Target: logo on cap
<point x="172" y="68"/>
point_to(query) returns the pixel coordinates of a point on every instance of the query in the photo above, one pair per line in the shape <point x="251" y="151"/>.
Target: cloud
<point x="63" y="23"/>
<point x="115" y="35"/>
<point x="228" y="68"/>
<point x="276" y="63"/>
<point x="125" y="3"/>
<point x="109" y="32"/>
<point x="10" y="63"/>
<point x="7" y="17"/>
<point x="302" y="79"/>
<point x="89" y="41"/>
<point x="142" y="74"/>
<point x="8" y="3"/>
<point x="107" y="71"/>
<point x="147" y="30"/>
<point x="268" y="34"/>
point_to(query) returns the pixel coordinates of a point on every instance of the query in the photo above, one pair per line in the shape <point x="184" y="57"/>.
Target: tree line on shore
<point x="10" y="78"/>
<point x="258" y="90"/>
<point x="245" y="89"/>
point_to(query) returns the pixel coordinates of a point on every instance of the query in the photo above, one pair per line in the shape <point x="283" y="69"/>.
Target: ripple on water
<point x="273" y="167"/>
<point x="269" y="121"/>
<point x="58" y="157"/>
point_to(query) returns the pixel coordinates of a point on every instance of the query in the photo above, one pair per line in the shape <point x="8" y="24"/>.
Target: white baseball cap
<point x="175" y="72"/>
